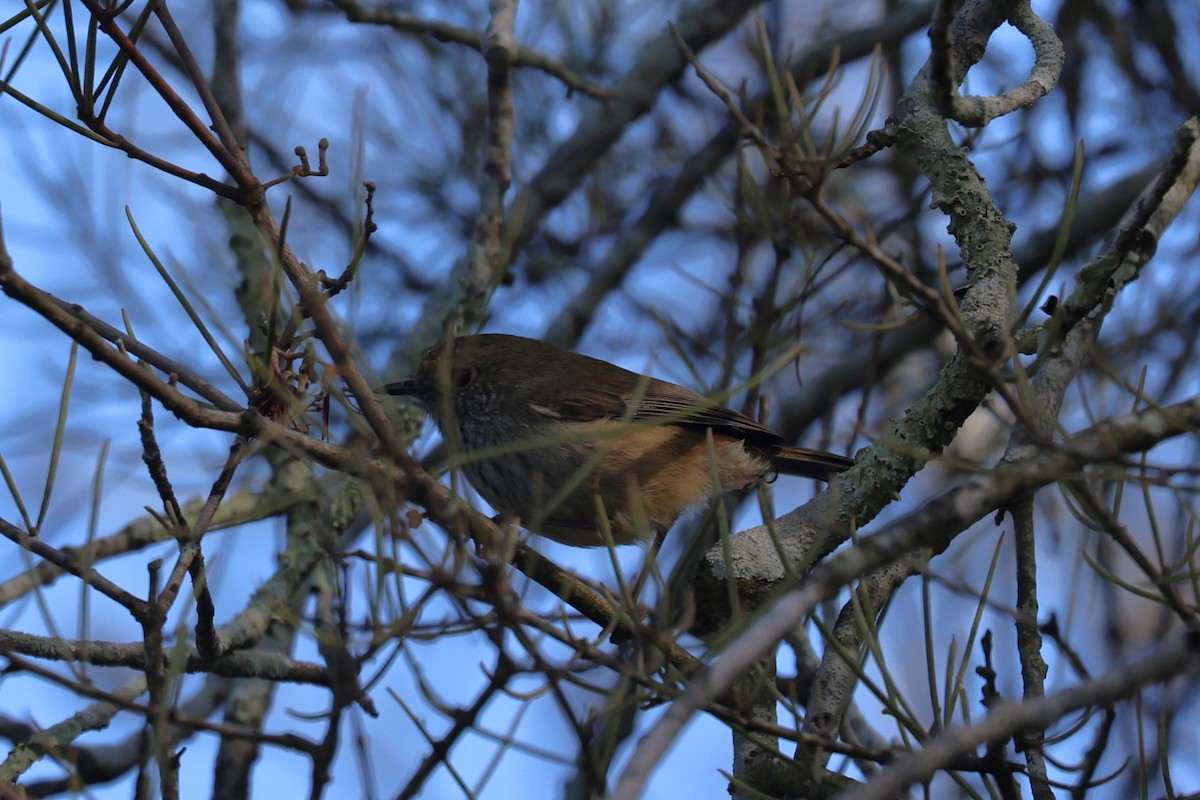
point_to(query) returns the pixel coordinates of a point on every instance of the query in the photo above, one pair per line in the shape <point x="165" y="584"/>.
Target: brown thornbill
<point x="547" y="432"/>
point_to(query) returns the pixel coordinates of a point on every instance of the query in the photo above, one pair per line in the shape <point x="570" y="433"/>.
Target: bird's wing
<point x="687" y="408"/>
<point x="634" y="397"/>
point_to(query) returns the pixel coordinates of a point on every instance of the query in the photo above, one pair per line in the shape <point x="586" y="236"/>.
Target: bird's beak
<point x="409" y="387"/>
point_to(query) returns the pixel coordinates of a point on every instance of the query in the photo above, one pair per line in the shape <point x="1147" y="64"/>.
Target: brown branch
<point x="135" y="605"/>
<point x="454" y="34"/>
<point x="1179" y="655"/>
<point x="230" y="158"/>
<point x="238" y="664"/>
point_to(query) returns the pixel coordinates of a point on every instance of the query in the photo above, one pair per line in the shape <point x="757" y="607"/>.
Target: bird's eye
<point x="463" y="379"/>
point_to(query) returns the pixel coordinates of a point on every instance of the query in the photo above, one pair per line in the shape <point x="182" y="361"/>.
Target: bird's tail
<point x="809" y="463"/>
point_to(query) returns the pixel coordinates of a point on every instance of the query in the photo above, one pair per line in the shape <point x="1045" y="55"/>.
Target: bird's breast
<point x="642" y="476"/>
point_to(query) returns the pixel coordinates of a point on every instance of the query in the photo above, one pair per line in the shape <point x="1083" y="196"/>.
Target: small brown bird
<point x="554" y="437"/>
